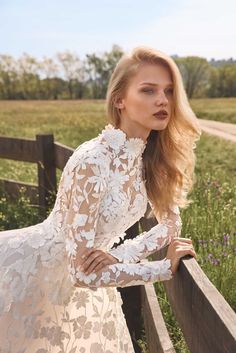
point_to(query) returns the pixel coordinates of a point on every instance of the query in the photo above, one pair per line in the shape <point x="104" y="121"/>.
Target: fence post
<point x="46" y="172"/>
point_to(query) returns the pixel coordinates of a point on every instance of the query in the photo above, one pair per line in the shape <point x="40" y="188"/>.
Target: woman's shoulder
<point x="91" y="152"/>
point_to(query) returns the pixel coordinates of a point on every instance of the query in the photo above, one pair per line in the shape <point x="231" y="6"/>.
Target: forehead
<point x="152" y="73"/>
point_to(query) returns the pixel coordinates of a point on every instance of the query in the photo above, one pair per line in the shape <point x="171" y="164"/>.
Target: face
<point x="149" y="92"/>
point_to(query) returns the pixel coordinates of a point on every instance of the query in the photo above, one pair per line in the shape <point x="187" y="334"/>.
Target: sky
<point x="42" y="28"/>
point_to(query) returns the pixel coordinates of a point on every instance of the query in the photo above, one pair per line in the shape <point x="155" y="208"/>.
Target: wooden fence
<point x="48" y="155"/>
<point x="207" y="321"/>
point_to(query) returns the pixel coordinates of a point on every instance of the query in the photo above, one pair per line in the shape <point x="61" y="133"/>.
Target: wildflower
<point x="216" y="262"/>
<point x="226" y="237"/>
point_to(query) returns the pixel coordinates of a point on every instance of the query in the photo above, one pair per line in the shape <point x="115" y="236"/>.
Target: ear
<point x="119" y="103"/>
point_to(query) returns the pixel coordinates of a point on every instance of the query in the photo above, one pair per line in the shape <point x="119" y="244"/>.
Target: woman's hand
<point x="178" y="248"/>
<point x="95" y="259"/>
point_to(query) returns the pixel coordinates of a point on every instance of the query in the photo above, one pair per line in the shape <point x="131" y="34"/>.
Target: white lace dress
<point x="47" y="304"/>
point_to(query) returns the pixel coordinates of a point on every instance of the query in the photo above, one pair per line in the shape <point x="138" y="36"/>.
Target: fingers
<point x="89" y="258"/>
<point x="95" y="260"/>
<point x="182" y="240"/>
<point x="99" y="261"/>
<point x="185" y="250"/>
<point x="88" y="253"/>
<point x="99" y="266"/>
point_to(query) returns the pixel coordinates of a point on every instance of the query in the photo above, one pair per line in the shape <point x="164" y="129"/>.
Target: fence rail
<point x="48" y="155"/>
<point x="207" y="321"/>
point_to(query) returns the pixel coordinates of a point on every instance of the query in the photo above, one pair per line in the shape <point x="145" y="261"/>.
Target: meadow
<point x="210" y="220"/>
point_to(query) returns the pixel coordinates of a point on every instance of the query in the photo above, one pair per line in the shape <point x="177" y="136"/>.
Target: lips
<point x="162" y="114"/>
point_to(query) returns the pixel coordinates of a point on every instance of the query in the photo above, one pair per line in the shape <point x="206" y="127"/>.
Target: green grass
<point x="210" y="220"/>
<point x="71" y="123"/>
<point x="219" y="109"/>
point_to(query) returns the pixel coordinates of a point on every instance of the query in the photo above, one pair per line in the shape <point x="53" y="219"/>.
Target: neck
<point x="133" y="129"/>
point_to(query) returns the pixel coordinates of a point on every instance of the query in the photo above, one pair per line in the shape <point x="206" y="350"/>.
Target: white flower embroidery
<point x="101" y="194"/>
<point x="114" y="140"/>
<point x="79" y="220"/>
<point x="36" y="239"/>
<point x="68" y="180"/>
<point x="86" y="235"/>
<point x="135" y="146"/>
<point x="82" y="277"/>
<point x="105" y="277"/>
<point x="71" y="247"/>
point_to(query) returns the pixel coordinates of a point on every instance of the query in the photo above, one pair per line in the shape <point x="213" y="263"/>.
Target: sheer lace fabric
<point x="47" y="303"/>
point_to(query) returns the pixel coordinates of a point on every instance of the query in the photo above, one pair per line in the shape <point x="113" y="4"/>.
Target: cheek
<point x="137" y="103"/>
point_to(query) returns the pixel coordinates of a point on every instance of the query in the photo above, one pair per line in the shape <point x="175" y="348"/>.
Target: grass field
<point x="219" y="109"/>
<point x="210" y="220"/>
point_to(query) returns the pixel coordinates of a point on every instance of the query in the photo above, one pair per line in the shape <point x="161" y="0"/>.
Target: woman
<point x="58" y="277"/>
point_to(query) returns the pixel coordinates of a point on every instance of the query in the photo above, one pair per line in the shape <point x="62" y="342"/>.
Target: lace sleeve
<point x="148" y="242"/>
<point x="84" y="187"/>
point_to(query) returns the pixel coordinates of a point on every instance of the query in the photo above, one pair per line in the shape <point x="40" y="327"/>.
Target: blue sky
<point x="184" y="27"/>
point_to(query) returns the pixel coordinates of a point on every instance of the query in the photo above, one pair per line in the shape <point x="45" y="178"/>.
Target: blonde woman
<point x="58" y="277"/>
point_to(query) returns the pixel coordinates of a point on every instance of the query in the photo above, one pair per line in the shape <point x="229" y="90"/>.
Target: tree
<point x="99" y="70"/>
<point x="49" y="72"/>
<point x="195" y="72"/>
<point x="72" y="69"/>
<point x="29" y="76"/>
<point x="8" y="77"/>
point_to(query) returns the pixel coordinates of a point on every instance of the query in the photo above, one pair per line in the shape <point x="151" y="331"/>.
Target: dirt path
<point x="217" y="128"/>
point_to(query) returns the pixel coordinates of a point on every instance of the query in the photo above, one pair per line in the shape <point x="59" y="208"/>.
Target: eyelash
<point x="146" y="90"/>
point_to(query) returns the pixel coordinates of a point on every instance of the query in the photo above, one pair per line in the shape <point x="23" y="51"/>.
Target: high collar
<point x="118" y="140"/>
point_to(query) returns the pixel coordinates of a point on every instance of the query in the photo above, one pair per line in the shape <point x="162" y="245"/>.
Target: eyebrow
<point x="156" y="84"/>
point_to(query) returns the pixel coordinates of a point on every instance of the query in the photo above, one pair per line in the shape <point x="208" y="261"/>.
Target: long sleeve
<point x="84" y="186"/>
<point x="146" y="243"/>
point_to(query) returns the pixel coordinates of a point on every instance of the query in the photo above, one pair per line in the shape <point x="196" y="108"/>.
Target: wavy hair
<point x="169" y="158"/>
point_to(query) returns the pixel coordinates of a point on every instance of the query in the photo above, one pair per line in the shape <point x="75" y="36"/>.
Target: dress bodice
<point x="101" y="194"/>
<point x="118" y="173"/>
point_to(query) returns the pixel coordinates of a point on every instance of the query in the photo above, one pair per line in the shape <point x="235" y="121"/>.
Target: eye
<point x="170" y="91"/>
<point x="148" y="90"/>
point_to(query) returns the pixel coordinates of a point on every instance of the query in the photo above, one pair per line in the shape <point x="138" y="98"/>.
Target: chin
<point x="161" y="126"/>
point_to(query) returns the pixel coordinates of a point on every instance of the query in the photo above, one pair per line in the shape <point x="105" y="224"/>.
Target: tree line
<point x="66" y="76"/>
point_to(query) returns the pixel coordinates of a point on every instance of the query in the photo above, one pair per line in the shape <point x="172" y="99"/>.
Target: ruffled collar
<point x="118" y="140"/>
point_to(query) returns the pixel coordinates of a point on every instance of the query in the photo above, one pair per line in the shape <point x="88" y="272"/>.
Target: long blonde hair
<point x="168" y="159"/>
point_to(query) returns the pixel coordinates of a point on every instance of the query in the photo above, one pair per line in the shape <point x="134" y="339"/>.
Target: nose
<point x="161" y="99"/>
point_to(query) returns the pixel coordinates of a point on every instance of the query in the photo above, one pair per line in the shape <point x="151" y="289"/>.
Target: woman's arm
<point x="85" y="185"/>
<point x="148" y="242"/>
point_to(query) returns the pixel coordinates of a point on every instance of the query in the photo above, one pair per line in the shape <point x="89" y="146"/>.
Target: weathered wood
<point x="26" y="150"/>
<point x="46" y="172"/>
<point x="62" y="154"/>
<point x="207" y="321"/>
<point x="47" y="154"/>
<point x="18" y="149"/>
<point x="12" y="188"/>
<point x="158" y="339"/>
